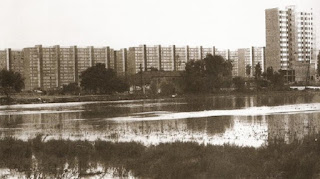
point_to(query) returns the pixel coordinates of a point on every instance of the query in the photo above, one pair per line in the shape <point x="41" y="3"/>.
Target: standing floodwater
<point x="239" y="120"/>
<point x="107" y="139"/>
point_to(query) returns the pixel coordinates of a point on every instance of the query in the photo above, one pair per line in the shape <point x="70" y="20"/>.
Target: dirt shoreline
<point x="38" y="98"/>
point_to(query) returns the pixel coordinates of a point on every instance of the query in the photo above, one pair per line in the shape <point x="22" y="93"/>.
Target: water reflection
<point x="239" y="130"/>
<point x="90" y="121"/>
<point x="294" y="127"/>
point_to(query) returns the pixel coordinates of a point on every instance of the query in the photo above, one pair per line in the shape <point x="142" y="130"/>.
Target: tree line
<point x="10" y="82"/>
<point x="208" y="75"/>
<point x="214" y="72"/>
<point x="94" y="80"/>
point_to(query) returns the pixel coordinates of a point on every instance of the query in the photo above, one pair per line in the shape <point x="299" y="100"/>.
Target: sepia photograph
<point x="160" y="89"/>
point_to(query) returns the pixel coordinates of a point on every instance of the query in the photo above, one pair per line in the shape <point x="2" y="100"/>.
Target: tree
<point x="248" y="70"/>
<point x="269" y="73"/>
<point x="274" y="80"/>
<point x="10" y="81"/>
<point x="257" y="71"/>
<point x="194" y="76"/>
<point x="218" y="71"/>
<point x="98" y="79"/>
<point x="71" y="88"/>
<point x="228" y="68"/>
<point x="277" y="80"/>
<point x="119" y="85"/>
<point x="167" y="88"/>
<point x="153" y="69"/>
<point x="239" y="83"/>
<point x="207" y="74"/>
<point x="318" y="67"/>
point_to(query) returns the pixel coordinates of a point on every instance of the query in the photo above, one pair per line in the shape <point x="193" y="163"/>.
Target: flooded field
<point x="256" y="122"/>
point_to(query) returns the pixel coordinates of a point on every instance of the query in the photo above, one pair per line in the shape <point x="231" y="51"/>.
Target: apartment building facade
<point x="52" y="67"/>
<point x="250" y="57"/>
<point x="290" y="42"/>
<point x="233" y="56"/>
<point x="169" y="58"/>
<point x="120" y="62"/>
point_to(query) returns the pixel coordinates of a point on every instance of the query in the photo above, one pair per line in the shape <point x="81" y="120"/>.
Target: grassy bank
<point x="176" y="160"/>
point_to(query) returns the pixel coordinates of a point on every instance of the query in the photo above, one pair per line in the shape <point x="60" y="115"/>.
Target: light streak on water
<point x="251" y="111"/>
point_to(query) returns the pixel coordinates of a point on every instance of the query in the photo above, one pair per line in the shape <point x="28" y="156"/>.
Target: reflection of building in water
<point x="31" y="125"/>
<point x="249" y="102"/>
<point x="289" y="127"/>
<point x="70" y="126"/>
<point x="210" y="130"/>
<point x="93" y="124"/>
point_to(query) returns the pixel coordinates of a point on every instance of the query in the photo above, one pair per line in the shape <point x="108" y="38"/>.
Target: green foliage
<point x="207" y="75"/>
<point x="10" y="81"/>
<point x="98" y="79"/>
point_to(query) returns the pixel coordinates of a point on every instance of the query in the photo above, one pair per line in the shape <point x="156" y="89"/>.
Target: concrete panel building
<point x="290" y="38"/>
<point x="223" y="53"/>
<point x="33" y="67"/>
<point x="244" y="59"/>
<point x="195" y="53"/>
<point x="153" y="57"/>
<point x="68" y="65"/>
<point x="181" y="58"/>
<point x="206" y="51"/>
<point x="234" y="57"/>
<point x="258" y="57"/>
<point x="170" y="58"/>
<point x="258" y="54"/>
<point x="52" y="67"/>
<point x="250" y="57"/>
<point x="84" y="58"/>
<point x="12" y="60"/>
<point x="137" y="56"/>
<point x="121" y="65"/>
<point x="3" y="59"/>
<point x="16" y="60"/>
<point x="167" y="58"/>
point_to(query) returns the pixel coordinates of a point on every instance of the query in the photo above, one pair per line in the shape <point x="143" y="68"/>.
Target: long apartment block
<point x="52" y="67"/>
<point x="174" y="58"/>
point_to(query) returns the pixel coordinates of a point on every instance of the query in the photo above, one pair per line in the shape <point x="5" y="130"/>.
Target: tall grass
<point x="300" y="159"/>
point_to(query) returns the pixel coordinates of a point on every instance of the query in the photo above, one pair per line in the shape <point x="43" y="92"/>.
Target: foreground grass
<point x="176" y="160"/>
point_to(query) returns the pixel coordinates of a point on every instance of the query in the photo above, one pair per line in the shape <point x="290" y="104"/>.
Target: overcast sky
<point x="124" y="23"/>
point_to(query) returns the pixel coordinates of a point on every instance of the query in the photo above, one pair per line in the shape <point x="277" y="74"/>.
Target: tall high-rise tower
<point x="290" y="42"/>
